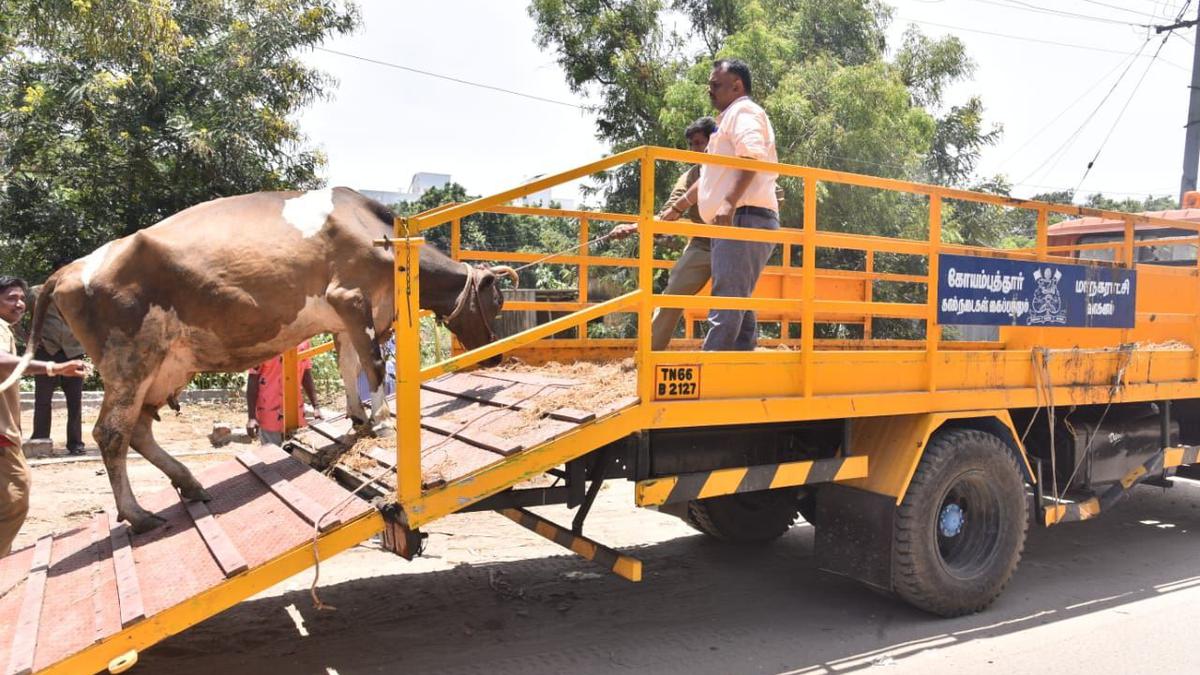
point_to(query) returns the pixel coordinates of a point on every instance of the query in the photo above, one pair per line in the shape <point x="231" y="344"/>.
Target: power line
<point x="1136" y="193"/>
<point x="1024" y="6"/>
<point x="1122" y="9"/>
<point x="449" y="78"/>
<point x="1023" y="38"/>
<point x="1125" y="107"/>
<point x="1064" y="111"/>
<point x="386" y="64"/>
<point x="1071" y="139"/>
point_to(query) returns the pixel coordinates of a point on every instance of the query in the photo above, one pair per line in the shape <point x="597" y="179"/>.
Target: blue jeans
<point x="736" y="266"/>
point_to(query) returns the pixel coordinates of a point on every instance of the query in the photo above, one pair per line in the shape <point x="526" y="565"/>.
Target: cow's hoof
<point x="145" y="522"/>
<point x="363" y="430"/>
<point x="195" y="493"/>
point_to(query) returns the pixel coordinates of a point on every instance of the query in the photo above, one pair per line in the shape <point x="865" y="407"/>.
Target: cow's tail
<point x="45" y="297"/>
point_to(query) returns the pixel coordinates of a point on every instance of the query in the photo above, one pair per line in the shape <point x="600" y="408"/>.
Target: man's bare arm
<point x="75" y="368"/>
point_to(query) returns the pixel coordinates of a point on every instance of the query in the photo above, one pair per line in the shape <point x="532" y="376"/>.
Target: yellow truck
<point x="919" y="460"/>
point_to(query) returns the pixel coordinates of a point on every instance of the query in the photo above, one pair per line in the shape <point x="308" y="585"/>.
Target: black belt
<point x="759" y="211"/>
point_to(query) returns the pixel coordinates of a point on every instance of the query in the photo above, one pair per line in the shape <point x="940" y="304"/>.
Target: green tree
<point x="820" y="71"/>
<point x="118" y="113"/>
<point x="504" y="232"/>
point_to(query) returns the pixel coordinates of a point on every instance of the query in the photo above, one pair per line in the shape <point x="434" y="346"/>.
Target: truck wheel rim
<point x="968" y="525"/>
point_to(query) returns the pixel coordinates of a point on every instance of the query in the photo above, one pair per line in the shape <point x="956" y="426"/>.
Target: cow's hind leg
<point x="143" y="441"/>
<point x="113" y="431"/>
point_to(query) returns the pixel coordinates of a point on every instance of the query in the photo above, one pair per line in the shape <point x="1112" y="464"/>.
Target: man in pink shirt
<point x="736" y="197"/>
<point x="264" y="397"/>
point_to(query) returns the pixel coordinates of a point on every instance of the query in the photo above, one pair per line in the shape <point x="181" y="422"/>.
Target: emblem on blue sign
<point x="1047" y="301"/>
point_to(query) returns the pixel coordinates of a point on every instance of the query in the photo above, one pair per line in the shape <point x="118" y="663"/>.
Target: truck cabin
<point x="1101" y="239"/>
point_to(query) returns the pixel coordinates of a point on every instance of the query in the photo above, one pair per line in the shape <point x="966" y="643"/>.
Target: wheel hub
<point x="950" y="522"/>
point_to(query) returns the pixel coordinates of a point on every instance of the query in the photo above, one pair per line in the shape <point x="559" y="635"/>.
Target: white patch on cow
<point x="92" y="264"/>
<point x="371" y="333"/>
<point x="309" y="211"/>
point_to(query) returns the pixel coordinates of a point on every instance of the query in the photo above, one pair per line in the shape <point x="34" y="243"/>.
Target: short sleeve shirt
<point x="743" y="130"/>
<point x="10" y="399"/>
<point x="268" y="409"/>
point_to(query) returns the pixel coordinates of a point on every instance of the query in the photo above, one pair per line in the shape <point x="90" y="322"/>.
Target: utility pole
<point x="1191" y="146"/>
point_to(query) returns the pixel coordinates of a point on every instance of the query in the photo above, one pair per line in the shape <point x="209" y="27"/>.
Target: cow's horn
<point x="508" y="272"/>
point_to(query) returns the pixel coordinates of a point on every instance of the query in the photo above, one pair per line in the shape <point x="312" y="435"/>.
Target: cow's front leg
<point x="354" y="309"/>
<point x="347" y="361"/>
<point x="143" y="441"/>
<point x="112" y="433"/>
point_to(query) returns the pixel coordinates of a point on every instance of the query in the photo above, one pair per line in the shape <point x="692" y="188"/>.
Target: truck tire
<point x="960" y="529"/>
<point x="745" y="518"/>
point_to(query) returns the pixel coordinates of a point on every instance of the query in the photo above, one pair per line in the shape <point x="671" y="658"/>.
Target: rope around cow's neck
<point x="470" y="284"/>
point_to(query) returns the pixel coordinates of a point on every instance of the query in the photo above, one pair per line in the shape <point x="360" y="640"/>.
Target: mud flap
<point x="854" y="534"/>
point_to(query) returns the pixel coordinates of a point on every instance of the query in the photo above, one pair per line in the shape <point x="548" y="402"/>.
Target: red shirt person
<point x="264" y="397"/>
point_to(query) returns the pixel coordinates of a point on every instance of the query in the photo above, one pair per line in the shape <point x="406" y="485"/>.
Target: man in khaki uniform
<point x="693" y="269"/>
<point x="14" y="473"/>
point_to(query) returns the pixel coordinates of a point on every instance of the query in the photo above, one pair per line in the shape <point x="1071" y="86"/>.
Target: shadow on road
<point x="702" y="608"/>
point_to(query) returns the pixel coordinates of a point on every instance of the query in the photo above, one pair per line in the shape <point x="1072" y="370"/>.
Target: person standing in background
<point x="58" y="345"/>
<point x="264" y="397"/>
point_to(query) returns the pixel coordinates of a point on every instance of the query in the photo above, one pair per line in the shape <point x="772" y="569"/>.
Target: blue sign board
<point x="999" y="292"/>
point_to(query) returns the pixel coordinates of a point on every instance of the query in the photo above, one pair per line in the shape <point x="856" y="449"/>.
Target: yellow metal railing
<point x="810" y="306"/>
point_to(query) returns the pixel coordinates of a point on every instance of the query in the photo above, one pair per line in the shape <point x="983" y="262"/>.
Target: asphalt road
<point x="1116" y="595"/>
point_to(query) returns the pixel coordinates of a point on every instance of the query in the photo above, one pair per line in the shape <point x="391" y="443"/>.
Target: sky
<point x="1060" y="76"/>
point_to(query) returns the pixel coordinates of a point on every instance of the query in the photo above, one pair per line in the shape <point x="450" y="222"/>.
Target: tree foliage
<point x="821" y="69"/>
<point x="118" y="113"/>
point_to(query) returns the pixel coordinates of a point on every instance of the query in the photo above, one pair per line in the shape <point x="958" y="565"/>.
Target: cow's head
<point x="478" y="306"/>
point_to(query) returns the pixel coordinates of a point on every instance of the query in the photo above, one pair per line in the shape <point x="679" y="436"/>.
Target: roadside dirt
<point x="67" y="490"/>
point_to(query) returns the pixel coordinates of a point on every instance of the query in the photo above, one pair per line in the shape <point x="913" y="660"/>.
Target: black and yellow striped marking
<point x="1181" y="456"/>
<point x="1067" y="513"/>
<point x="704" y="484"/>
<point x="621" y="565"/>
<point x="1090" y="508"/>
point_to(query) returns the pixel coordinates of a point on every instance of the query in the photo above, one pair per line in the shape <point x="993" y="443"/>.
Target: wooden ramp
<point x="473" y="420"/>
<point x="76" y="601"/>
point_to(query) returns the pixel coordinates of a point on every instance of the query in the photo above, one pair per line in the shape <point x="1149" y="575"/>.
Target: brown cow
<point x="223" y="286"/>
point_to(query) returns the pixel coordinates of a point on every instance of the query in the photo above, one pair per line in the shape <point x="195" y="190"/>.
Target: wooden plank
<point x="299" y="502"/>
<point x="228" y="557"/>
<point x="443" y="388"/>
<point x="528" y="378"/>
<point x="617" y="405"/>
<point x="129" y="591"/>
<point x="478" y="438"/>
<point x="101" y="533"/>
<point x="25" y="637"/>
<point x="385" y="456"/>
<point x="571" y="415"/>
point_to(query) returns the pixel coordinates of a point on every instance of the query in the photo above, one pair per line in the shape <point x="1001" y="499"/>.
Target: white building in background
<point x="421" y="183"/>
<point x="544" y="198"/>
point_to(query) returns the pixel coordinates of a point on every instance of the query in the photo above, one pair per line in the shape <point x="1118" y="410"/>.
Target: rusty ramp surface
<point x="90" y="598"/>
<point x="472" y="420"/>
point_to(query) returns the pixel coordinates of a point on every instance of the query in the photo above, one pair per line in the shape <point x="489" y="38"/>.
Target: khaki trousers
<point x="14" y="494"/>
<point x="687" y="277"/>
